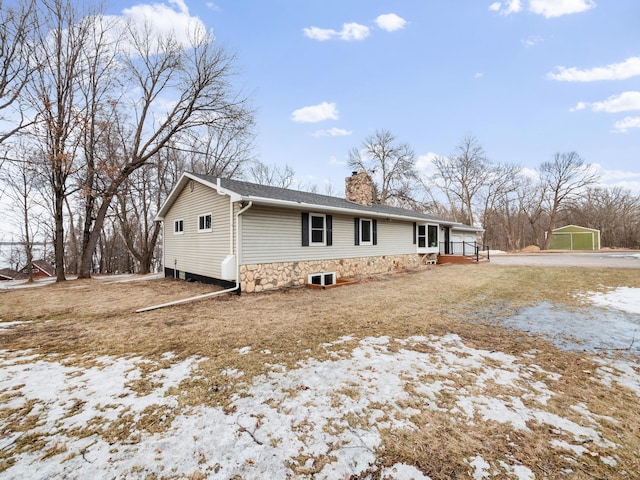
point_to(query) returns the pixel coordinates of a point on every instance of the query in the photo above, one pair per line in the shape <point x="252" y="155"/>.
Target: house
<point x="255" y="237"/>
<point x="7" y="274"/>
<point x="574" y="237"/>
<point x="40" y="269"/>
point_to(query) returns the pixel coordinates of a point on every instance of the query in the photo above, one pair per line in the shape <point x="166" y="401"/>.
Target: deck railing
<point x="466" y="249"/>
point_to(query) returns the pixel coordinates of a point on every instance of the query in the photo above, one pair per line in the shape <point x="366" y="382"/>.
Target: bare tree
<point x="501" y="182"/>
<point x="389" y="163"/>
<point x="272" y="175"/>
<point x="614" y="211"/>
<point x="17" y="28"/>
<point x="22" y="182"/>
<point x="462" y="176"/>
<point x="563" y="179"/>
<point x="138" y="203"/>
<point x="52" y="94"/>
<point x="197" y="76"/>
<point x="222" y="150"/>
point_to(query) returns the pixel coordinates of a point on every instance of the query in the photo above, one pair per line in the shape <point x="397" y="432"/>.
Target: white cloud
<point x="332" y="132"/>
<point x="579" y="106"/>
<point x="320" y="34"/>
<point x="213" y="6"/>
<point x="615" y="71"/>
<point x="547" y="8"/>
<point x="531" y="40"/>
<point x="625" y="102"/>
<point x="424" y="164"/>
<point x="390" y="22"/>
<point x="354" y="31"/>
<point x="164" y="19"/>
<point x="350" y="31"/>
<point x="557" y="8"/>
<point x="620" y="178"/>
<point x="627" y="123"/>
<point x="507" y="7"/>
<point x="315" y="113"/>
<point x="478" y="75"/>
<point x="338" y="163"/>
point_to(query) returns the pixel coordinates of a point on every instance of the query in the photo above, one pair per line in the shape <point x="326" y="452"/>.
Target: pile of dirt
<point x="531" y="249"/>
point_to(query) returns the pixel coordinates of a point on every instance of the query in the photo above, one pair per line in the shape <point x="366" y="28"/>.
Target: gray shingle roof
<point x="253" y="191"/>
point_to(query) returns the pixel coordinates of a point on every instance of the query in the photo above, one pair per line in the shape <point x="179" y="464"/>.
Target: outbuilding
<point x="574" y="237"/>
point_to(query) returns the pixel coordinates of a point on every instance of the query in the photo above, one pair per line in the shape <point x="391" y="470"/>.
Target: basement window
<point x="322" y="279"/>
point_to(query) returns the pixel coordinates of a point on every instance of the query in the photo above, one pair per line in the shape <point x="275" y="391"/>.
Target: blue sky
<point x="528" y="78"/>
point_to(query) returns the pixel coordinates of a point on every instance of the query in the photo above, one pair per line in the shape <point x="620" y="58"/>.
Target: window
<point x="422" y="236"/>
<point x="178" y="227"/>
<point x="317" y="229"/>
<point x="204" y="223"/>
<point x="432" y="235"/>
<point x="427" y="236"/>
<point x="365" y="231"/>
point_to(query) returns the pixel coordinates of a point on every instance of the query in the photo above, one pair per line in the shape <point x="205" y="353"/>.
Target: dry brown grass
<point x="94" y="318"/>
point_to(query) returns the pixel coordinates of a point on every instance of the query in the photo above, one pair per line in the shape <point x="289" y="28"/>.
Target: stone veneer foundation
<point x="270" y="276"/>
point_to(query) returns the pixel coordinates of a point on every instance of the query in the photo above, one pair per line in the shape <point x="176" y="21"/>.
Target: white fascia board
<point x="171" y="198"/>
<point x="184" y="179"/>
<point x="465" y="228"/>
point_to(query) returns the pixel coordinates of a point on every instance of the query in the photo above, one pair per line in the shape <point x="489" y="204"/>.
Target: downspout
<point x="219" y="292"/>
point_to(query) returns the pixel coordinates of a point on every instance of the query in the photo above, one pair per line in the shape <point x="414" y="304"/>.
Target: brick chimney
<point x="359" y="188"/>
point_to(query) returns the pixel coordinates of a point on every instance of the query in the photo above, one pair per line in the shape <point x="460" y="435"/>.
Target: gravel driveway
<point x="626" y="259"/>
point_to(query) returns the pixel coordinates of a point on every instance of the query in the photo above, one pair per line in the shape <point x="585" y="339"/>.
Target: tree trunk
<point x="59" y="236"/>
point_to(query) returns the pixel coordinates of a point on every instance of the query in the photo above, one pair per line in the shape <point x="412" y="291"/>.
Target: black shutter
<point x="374" y="227"/>
<point x="356" y="229"/>
<point x="329" y="220"/>
<point x="415" y="227"/>
<point x="305" y="229"/>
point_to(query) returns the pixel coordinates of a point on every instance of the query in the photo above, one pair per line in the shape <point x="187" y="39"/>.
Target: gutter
<point x="235" y="288"/>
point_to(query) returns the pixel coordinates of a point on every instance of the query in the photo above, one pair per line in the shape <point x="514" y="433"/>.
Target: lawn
<point x="404" y="376"/>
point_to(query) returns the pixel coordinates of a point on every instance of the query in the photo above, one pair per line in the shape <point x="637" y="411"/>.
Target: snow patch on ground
<point x="322" y="419"/>
<point x="626" y="299"/>
<point x="12" y="324"/>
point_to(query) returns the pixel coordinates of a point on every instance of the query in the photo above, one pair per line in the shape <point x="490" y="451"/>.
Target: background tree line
<point x="516" y="207"/>
<point x="100" y="116"/>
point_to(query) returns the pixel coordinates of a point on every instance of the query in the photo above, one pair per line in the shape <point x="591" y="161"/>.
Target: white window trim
<point x="205" y="230"/>
<point x="175" y="224"/>
<point x="370" y="242"/>
<point x="324" y="230"/>
<point x="427" y="248"/>
<point x="437" y="235"/>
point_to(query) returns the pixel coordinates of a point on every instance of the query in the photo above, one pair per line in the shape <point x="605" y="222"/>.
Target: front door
<point x="447" y="241"/>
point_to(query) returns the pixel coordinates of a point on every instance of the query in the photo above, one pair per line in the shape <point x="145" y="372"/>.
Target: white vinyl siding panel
<point x="196" y="252"/>
<point x="272" y="234"/>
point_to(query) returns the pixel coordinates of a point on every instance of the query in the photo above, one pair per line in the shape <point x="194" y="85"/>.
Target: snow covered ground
<point x="321" y="415"/>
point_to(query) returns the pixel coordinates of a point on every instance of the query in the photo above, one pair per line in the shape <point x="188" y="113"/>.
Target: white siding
<point x="198" y="253"/>
<point x="272" y="234"/>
